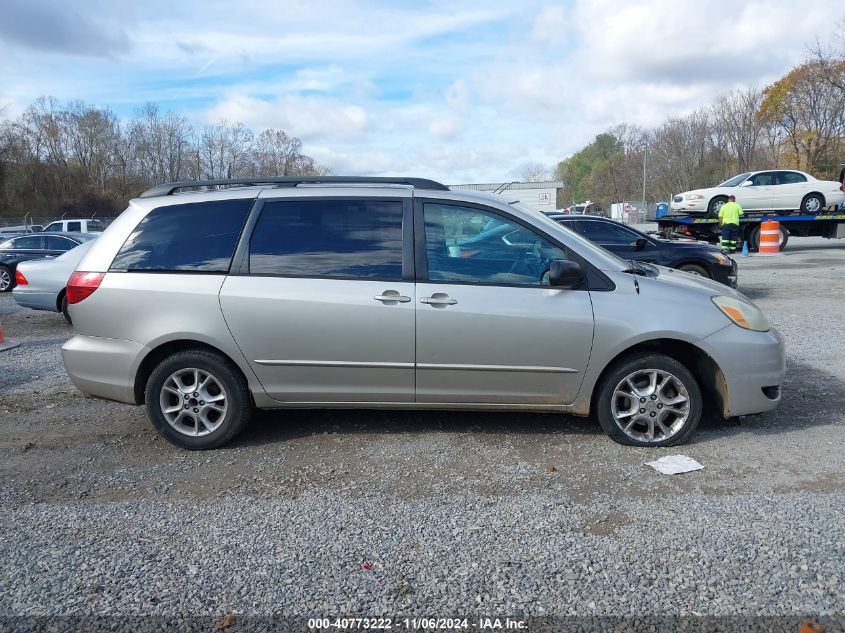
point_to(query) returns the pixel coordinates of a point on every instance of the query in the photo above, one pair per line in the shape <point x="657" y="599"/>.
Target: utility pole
<point x="645" y="158"/>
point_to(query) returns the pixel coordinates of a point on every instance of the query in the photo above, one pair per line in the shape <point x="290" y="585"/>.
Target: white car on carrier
<point x="770" y="190"/>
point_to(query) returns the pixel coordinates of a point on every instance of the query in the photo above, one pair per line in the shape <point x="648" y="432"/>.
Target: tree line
<point x="80" y="159"/>
<point x="797" y="122"/>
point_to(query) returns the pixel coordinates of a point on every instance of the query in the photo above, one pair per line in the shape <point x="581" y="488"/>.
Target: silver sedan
<point x="41" y="283"/>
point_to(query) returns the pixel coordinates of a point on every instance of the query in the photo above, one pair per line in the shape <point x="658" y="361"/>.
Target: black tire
<point x="238" y="399"/>
<point x="606" y="398"/>
<point x="65" y="313"/>
<point x="695" y="269"/>
<point x="714" y="205"/>
<point x="784" y="237"/>
<point x="819" y="198"/>
<point x="754" y="239"/>
<point x="7" y="279"/>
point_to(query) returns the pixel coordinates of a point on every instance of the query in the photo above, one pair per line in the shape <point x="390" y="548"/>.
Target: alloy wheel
<point x="193" y="401"/>
<point x="650" y="405"/>
<point x="5" y="280"/>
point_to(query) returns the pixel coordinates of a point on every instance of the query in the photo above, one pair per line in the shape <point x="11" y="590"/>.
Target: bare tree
<point x="534" y="172"/>
<point x="739" y="129"/>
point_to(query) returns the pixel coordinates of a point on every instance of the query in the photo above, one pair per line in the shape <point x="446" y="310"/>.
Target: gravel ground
<point x="330" y="513"/>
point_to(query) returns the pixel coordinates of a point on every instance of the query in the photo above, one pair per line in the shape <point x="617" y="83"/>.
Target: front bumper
<point x="103" y="367"/>
<point x="753" y="365"/>
<point x="690" y="206"/>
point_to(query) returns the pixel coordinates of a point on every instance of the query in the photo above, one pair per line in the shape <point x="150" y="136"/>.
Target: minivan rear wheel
<point x="649" y="400"/>
<point x="198" y="399"/>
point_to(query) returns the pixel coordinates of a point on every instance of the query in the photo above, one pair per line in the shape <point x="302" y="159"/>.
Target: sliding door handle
<point x="441" y="300"/>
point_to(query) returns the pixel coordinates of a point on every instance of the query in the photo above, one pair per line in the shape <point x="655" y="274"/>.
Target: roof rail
<point x="290" y="181"/>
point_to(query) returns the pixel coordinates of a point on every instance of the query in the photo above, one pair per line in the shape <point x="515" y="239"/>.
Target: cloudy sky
<point x="462" y="91"/>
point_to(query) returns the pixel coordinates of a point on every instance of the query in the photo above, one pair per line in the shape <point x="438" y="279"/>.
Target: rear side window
<point x="329" y="238"/>
<point x="74" y="227"/>
<point x="96" y="225"/>
<point x="198" y="237"/>
<point x="59" y="243"/>
<point x="605" y="232"/>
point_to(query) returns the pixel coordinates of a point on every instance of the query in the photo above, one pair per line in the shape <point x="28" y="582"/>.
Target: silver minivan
<point x="207" y="299"/>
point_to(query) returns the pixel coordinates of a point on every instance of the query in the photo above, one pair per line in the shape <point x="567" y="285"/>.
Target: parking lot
<point x="326" y="513"/>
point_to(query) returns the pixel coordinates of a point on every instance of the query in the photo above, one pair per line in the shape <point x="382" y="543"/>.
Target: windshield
<point x="734" y="182"/>
<point x="587" y="249"/>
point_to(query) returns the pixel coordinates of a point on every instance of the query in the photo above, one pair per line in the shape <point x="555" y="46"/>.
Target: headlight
<point x="722" y="259"/>
<point x="743" y="314"/>
<point x="694" y="196"/>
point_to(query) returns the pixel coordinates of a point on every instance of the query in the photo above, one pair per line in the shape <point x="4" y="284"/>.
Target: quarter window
<point x="465" y="244"/>
<point x="197" y="237"/>
<point x="329" y="238"/>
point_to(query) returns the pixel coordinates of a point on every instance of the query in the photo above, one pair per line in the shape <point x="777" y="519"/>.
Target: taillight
<point x="20" y="279"/>
<point x="82" y="285"/>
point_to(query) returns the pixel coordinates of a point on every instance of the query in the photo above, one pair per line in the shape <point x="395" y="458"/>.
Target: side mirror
<point x="746" y="183"/>
<point x="564" y="273"/>
<point x="640" y="243"/>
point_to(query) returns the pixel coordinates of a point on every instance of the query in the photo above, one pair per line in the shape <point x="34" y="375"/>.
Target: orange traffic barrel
<point x="770" y="237"/>
<point x="6" y="344"/>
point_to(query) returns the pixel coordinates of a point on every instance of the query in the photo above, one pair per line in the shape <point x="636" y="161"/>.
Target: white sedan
<point x="771" y="190"/>
<point x="41" y="282"/>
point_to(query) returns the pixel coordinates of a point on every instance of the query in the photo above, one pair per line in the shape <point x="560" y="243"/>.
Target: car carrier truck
<point x="829" y="223"/>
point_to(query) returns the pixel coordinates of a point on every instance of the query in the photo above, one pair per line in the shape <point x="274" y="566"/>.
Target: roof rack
<point x="290" y="181"/>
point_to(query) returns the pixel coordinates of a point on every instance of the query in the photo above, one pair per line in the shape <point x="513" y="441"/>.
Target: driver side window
<point x="763" y="180"/>
<point x="464" y="244"/>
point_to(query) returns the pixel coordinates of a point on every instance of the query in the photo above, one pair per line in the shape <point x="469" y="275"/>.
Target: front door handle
<point x="392" y="296"/>
<point x="439" y="299"/>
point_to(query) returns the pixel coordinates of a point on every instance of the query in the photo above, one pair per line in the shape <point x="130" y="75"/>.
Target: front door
<point x="324" y="313"/>
<point x="758" y="195"/>
<point x="489" y="327"/>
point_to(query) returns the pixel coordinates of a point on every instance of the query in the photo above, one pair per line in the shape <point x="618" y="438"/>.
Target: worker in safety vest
<point x="729" y="219"/>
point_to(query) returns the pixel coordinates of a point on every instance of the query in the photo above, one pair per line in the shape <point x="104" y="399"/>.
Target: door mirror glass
<point x="565" y="273"/>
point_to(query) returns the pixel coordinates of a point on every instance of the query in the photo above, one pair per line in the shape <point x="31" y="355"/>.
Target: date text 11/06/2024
<point x="482" y="624"/>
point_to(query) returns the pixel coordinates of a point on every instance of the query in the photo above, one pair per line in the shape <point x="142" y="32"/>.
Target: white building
<point x="541" y="196"/>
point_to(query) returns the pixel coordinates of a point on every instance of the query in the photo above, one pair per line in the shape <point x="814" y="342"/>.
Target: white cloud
<point x="550" y="25"/>
<point x="308" y="118"/>
<point x="458" y="92"/>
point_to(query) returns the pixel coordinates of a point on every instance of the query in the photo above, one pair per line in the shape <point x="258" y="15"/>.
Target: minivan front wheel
<point x="650" y="400"/>
<point x="198" y="399"/>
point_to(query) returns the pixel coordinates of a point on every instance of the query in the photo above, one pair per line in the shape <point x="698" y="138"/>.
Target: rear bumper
<point x="103" y="367"/>
<point x="754" y="367"/>
<point x="35" y="300"/>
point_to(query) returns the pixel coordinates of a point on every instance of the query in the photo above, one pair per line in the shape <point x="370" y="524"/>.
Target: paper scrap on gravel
<point x="675" y="464"/>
